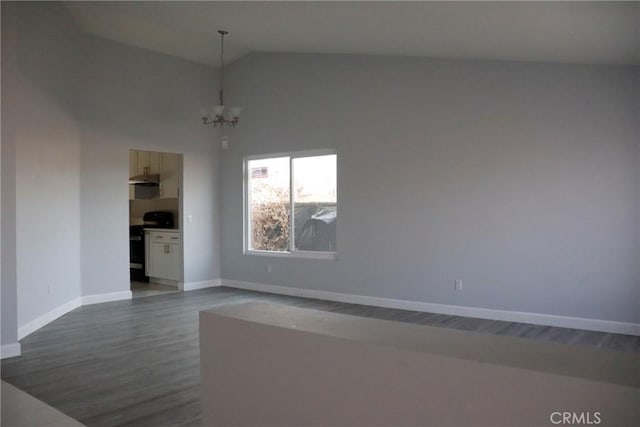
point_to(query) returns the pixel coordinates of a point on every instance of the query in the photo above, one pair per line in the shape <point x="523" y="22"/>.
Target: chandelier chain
<point x="222" y="34"/>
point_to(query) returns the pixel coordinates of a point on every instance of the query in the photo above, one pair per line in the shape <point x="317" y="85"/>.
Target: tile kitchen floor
<point x="143" y="289"/>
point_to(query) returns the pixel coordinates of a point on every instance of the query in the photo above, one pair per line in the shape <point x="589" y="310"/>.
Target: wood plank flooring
<point x="136" y="362"/>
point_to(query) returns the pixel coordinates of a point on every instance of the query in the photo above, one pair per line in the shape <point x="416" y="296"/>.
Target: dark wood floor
<point x="136" y="363"/>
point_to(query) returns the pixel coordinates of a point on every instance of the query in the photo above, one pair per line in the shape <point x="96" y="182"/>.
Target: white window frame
<point x="292" y="252"/>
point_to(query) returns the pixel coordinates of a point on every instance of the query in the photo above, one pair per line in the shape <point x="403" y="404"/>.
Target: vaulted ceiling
<point x="565" y="32"/>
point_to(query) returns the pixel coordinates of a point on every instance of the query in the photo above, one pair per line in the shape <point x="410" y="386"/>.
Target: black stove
<point x="154" y="219"/>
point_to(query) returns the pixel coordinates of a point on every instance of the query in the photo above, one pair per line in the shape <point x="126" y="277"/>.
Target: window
<point x="291" y="204"/>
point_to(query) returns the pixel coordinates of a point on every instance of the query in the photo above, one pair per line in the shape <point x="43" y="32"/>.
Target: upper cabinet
<point x="166" y="165"/>
<point x="169" y="176"/>
<point x="144" y="162"/>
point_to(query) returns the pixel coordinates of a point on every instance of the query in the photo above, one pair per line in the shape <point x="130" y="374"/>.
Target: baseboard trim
<point x="192" y="286"/>
<point x="482" y="313"/>
<point x="10" y="350"/>
<point x="108" y="297"/>
<point x="49" y="317"/>
<point x="57" y="312"/>
<point x="63" y="309"/>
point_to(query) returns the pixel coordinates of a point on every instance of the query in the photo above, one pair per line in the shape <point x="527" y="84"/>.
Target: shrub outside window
<point x="291" y="204"/>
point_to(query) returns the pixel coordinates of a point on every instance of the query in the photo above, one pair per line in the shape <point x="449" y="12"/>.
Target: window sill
<point x="295" y="254"/>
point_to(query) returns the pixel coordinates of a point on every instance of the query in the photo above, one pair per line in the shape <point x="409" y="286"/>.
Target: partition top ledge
<point x="576" y="361"/>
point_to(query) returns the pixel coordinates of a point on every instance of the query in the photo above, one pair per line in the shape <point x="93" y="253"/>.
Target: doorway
<point x="155" y="238"/>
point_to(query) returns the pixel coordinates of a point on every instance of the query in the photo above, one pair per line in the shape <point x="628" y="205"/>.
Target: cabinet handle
<point x="174" y="238"/>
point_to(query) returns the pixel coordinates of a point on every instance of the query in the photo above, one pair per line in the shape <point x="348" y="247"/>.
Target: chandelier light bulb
<point x="234" y="112"/>
<point x="217" y="111"/>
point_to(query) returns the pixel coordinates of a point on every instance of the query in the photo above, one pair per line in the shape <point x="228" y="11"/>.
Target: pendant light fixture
<point x="219" y="115"/>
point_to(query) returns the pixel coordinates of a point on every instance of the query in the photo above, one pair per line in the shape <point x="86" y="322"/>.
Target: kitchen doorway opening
<point x="155" y="210"/>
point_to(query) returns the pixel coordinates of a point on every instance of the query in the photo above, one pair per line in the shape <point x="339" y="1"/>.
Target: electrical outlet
<point x="225" y="142"/>
<point x="268" y="268"/>
<point x="458" y="285"/>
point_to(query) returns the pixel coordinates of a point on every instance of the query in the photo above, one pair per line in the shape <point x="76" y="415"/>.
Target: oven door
<point x="136" y="258"/>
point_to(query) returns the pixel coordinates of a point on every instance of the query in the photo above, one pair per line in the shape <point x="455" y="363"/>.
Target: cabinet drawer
<point x="164" y="237"/>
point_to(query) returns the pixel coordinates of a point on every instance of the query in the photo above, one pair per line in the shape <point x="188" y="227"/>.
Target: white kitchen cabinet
<point x="144" y="162"/>
<point x="163" y="254"/>
<point x="153" y="162"/>
<point x="133" y="164"/>
<point x="167" y="165"/>
<point x="169" y="176"/>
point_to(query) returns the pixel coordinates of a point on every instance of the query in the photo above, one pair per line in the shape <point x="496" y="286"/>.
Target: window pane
<point x="269" y="204"/>
<point x="315" y="203"/>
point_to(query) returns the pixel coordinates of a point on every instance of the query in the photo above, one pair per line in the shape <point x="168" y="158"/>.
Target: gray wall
<point x="72" y="109"/>
<point x="43" y="97"/>
<point x="138" y="99"/>
<point x="8" y="290"/>
<point x="520" y="179"/>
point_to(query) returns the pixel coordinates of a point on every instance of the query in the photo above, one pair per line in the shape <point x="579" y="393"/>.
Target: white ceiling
<point x="567" y="32"/>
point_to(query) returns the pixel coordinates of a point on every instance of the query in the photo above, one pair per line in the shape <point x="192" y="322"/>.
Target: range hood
<point x="145" y="180"/>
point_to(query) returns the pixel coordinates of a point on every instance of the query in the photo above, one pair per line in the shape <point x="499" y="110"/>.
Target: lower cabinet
<point x="163" y="254"/>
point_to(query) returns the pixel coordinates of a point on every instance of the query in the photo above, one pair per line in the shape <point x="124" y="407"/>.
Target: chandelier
<point x="219" y="115"/>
